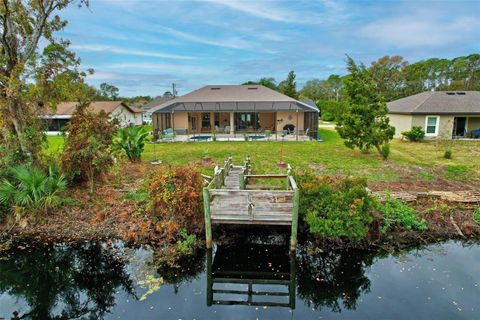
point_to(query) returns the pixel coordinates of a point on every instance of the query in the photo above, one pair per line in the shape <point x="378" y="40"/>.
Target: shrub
<point x="397" y="213"/>
<point x="414" y="135"/>
<point x="30" y="189"/>
<point x="87" y="152"/>
<point x="132" y="141"/>
<point x="476" y="215"/>
<point x="335" y="207"/>
<point x="327" y="116"/>
<point x="187" y="243"/>
<point x="448" y="154"/>
<point x="177" y="197"/>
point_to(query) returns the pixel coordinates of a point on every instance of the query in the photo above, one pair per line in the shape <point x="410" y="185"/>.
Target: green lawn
<point x="330" y="157"/>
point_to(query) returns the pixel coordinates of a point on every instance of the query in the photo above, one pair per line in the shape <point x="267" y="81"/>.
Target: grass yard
<point x="409" y="162"/>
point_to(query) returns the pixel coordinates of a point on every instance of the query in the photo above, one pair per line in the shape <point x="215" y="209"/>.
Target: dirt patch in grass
<point x="414" y="178"/>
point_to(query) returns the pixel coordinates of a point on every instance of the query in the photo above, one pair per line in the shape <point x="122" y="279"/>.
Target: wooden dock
<point x="232" y="197"/>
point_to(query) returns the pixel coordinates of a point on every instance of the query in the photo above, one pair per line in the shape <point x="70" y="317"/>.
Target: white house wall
<point x="126" y="117"/>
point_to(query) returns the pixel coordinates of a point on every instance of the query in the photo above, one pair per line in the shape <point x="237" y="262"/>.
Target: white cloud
<point x="131" y="52"/>
<point x="329" y="11"/>
<point x="256" y="9"/>
<point x="162" y="67"/>
<point x="421" y="30"/>
<point x="232" y="43"/>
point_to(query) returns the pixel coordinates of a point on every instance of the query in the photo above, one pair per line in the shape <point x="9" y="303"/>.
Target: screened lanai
<point x="243" y="109"/>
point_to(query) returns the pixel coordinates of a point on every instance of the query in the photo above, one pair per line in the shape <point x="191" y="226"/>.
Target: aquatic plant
<point x="187" y="244"/>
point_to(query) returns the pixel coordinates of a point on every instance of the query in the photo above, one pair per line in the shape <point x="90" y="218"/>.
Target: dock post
<point x="296" y="204"/>
<point x="241" y="181"/>
<point x="208" y="221"/>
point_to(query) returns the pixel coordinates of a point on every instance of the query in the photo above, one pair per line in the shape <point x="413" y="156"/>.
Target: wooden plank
<point x="254" y="222"/>
<point x="265" y="176"/>
<point x="258" y="207"/>
<point x="222" y="192"/>
<point x="293" y="183"/>
<point x="225" y="216"/>
<point x="262" y="187"/>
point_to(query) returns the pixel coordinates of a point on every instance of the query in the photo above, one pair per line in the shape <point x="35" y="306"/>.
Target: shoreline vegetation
<point x="122" y="207"/>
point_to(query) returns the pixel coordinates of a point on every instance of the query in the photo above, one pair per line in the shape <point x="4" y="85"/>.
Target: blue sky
<point x="142" y="46"/>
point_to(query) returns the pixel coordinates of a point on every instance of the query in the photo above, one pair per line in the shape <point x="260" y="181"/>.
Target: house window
<point x="431" y="125"/>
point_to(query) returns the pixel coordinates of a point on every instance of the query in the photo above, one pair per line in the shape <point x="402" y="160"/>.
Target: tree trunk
<point x="380" y="152"/>
<point x="90" y="179"/>
<point x="16" y="122"/>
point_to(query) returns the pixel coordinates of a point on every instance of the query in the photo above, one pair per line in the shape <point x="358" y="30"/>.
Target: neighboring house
<point x="126" y="115"/>
<point x="146" y="108"/>
<point x="231" y="109"/>
<point x="441" y="114"/>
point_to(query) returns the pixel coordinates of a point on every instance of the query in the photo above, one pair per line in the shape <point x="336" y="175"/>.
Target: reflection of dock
<point x="253" y="275"/>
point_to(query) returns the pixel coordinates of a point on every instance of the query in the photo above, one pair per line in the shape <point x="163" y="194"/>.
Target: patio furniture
<point x="168" y="133"/>
<point x="476" y="134"/>
<point x="226" y="129"/>
<point x="180" y="131"/>
<point x="290" y="128"/>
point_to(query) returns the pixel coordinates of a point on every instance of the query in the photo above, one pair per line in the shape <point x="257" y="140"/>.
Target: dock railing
<point x="251" y="203"/>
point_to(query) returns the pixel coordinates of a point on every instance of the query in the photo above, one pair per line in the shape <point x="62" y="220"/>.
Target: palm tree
<point x="31" y="189"/>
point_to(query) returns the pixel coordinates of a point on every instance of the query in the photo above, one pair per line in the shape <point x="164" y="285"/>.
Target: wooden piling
<point x="208" y="220"/>
<point x="296" y="204"/>
<point x="241" y="181"/>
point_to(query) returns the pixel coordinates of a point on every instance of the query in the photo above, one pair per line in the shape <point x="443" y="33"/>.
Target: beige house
<point x="235" y="109"/>
<point x="441" y="114"/>
<point x="126" y="115"/>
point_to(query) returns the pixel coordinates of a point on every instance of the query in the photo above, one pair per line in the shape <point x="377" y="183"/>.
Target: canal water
<point x="245" y="281"/>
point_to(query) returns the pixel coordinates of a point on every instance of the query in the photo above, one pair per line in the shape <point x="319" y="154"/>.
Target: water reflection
<point x="333" y="279"/>
<point x="51" y="282"/>
<point x="105" y="282"/>
<point x="253" y="275"/>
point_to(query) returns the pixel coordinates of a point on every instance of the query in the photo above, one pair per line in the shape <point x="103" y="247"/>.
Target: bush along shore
<point x="162" y="205"/>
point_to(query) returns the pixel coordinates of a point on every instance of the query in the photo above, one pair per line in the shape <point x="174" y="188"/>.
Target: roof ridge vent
<point x="461" y="93"/>
<point x="252" y="88"/>
<point x="215" y="88"/>
<point x="450" y="93"/>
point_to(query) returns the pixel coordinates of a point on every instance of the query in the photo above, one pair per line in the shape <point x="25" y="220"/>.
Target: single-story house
<point x="441" y="114"/>
<point x="126" y="115"/>
<point x="146" y="108"/>
<point x="231" y="109"/>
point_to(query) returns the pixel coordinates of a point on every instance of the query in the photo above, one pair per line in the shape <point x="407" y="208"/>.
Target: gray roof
<point x="155" y="102"/>
<point x="438" y="102"/>
<point x="247" y="98"/>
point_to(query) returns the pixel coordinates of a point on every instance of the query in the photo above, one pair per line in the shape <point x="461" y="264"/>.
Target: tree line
<point x="393" y="78"/>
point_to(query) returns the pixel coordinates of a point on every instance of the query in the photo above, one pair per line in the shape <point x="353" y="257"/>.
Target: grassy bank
<point x="420" y="165"/>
